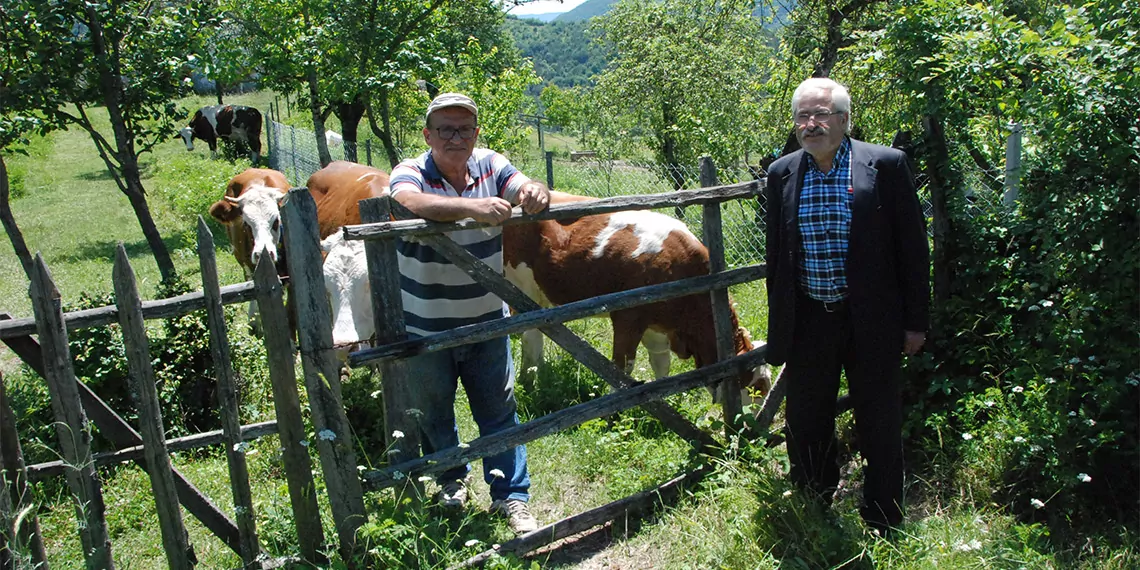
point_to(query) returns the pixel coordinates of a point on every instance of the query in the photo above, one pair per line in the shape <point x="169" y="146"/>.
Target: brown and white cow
<point x="557" y="262"/>
<point x="234" y="123"/>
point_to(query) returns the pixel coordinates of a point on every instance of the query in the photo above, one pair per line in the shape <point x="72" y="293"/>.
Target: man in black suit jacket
<point x="848" y="290"/>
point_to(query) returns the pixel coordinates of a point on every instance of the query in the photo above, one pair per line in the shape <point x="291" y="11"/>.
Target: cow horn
<point x="231" y="199"/>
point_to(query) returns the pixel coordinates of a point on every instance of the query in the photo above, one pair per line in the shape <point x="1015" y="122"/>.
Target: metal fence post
<point x="550" y="169"/>
<point x="368" y="151"/>
<point x="1012" y="166"/>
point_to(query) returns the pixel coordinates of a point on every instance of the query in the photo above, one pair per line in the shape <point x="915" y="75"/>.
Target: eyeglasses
<point x="804" y="117"/>
<point x="448" y="133"/>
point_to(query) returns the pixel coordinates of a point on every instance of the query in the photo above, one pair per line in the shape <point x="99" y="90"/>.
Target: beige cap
<point x="444" y="100"/>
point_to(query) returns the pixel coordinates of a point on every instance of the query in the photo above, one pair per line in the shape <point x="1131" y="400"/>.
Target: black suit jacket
<point x="888" y="256"/>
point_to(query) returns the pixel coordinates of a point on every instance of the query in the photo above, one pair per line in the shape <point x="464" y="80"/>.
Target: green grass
<point x="745" y="515"/>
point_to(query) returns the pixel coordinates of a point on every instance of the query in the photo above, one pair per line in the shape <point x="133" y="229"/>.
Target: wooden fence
<point x="73" y="404"/>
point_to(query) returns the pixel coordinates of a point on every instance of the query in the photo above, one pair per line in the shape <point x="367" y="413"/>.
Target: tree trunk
<point x="219" y="88"/>
<point x="384" y="133"/>
<point x="14" y="234"/>
<point x="350" y="114"/>
<point x="318" y="117"/>
<point x="126" y="172"/>
<point x="938" y="163"/>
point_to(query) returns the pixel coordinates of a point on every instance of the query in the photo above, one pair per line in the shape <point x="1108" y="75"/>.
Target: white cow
<point x="350" y="294"/>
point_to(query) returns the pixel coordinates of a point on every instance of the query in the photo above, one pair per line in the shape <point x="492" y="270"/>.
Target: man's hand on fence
<point x="489" y="210"/>
<point x="534" y="197"/>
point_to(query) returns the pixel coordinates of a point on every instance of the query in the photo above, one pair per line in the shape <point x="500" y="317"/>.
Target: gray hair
<point x="840" y="98"/>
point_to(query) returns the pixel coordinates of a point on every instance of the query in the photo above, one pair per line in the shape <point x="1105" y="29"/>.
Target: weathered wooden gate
<point x="394" y="345"/>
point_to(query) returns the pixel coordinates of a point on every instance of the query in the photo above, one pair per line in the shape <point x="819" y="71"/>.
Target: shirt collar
<point x="841" y="156"/>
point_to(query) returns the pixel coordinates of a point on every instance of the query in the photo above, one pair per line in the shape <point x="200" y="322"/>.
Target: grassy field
<point x="746" y="515"/>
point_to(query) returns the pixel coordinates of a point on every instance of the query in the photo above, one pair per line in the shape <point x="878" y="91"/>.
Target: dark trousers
<point x="824" y="345"/>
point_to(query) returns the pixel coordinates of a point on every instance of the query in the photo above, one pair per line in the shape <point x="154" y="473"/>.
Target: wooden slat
<point x="562" y="419"/>
<point x="287" y="404"/>
<point x="619" y="509"/>
<point x="71" y="423"/>
<point x="250" y="432"/>
<point x="176" y="543"/>
<point x="227" y="398"/>
<point x="580" y="349"/>
<point x="560" y="314"/>
<point x="160" y="309"/>
<point x="721" y="311"/>
<point x="122" y="435"/>
<point x="321" y="369"/>
<point x="388" y="308"/>
<point x="679" y="198"/>
<point x="17" y="493"/>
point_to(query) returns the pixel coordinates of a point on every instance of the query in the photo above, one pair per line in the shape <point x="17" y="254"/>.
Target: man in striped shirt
<point x="848" y="292"/>
<point x="452" y="181"/>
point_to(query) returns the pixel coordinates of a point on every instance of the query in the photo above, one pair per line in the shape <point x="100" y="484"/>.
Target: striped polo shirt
<point x="825" y="227"/>
<point x="437" y="295"/>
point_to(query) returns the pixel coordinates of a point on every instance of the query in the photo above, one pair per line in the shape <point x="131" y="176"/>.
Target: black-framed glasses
<point x="804" y="117"/>
<point x="448" y="133"/>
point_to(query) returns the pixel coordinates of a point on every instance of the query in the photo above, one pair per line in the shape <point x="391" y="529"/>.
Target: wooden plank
<point x="227" y="398"/>
<point x="321" y="369"/>
<point x="562" y="419"/>
<point x="160" y="309"/>
<point x="70" y="421"/>
<point x="175" y="541"/>
<point x="287" y="404"/>
<point x="135" y="453"/>
<point x="721" y="311"/>
<point x="619" y="509"/>
<point x="580" y="349"/>
<point x="121" y="434"/>
<point x="560" y="314"/>
<point x="17" y="493"/>
<point x="388" y="308"/>
<point x="749" y="189"/>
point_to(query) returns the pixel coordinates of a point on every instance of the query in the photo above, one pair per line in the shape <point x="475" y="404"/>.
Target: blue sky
<point x="545" y="7"/>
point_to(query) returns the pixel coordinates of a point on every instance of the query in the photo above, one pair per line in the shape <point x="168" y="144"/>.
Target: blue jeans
<point x="487" y="371"/>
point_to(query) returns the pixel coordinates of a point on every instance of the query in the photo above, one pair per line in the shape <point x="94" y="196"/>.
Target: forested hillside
<point x="564" y="53"/>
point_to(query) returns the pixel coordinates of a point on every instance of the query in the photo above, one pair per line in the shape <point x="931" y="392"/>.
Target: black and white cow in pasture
<point x="234" y="123"/>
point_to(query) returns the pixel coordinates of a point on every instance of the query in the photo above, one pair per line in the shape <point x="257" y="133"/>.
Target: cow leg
<point x="627" y="333"/>
<point x="533" y="342"/>
<point x="659" y="355"/>
<point x="213" y="148"/>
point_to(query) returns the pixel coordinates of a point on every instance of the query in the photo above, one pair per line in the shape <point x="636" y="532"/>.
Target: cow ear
<point x="225" y="211"/>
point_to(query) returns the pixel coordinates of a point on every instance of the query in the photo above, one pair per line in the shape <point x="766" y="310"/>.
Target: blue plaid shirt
<point x="825" y="226"/>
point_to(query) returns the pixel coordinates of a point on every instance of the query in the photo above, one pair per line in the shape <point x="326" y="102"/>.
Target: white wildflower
<point x="787" y="493"/>
<point x="498" y="474"/>
<point x="1018" y="389"/>
<point x="327" y="435"/>
<point x="1037" y="504"/>
<point x="398" y="475"/>
<point x="967" y="436"/>
<point x="1084" y="477"/>
<point x="968" y="546"/>
<point x="989" y="403"/>
<point x="397" y="434"/>
<point x="1019" y="439"/>
<point x="1091" y="422"/>
<point x="375" y="394"/>
<point x="471" y="542"/>
<point x="1046" y="303"/>
<point x="424" y="478"/>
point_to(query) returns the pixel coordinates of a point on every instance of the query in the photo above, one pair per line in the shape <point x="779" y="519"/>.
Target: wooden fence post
<point x="722" y="312"/>
<point x="322" y="375"/>
<point x="290" y="423"/>
<point x="227" y="398"/>
<point x="388" y="308"/>
<point x="14" y="488"/>
<point x="71" y="422"/>
<point x="176" y="543"/>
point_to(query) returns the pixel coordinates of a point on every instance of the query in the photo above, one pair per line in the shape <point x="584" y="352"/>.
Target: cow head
<point x="258" y="208"/>
<point x="754" y="384"/>
<point x="187" y="135"/>
<point x="346" y="280"/>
